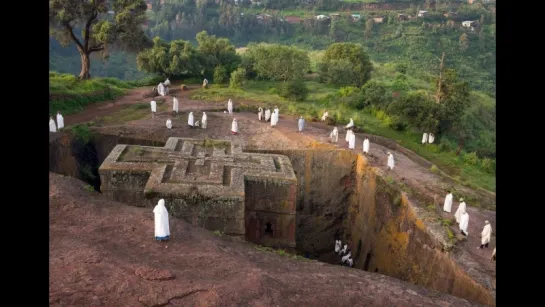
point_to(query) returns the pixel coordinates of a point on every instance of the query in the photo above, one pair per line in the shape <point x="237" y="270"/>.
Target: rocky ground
<point x="103" y="253"/>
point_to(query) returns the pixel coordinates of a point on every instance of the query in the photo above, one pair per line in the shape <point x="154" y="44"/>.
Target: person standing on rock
<point x="191" y="120"/>
<point x="204" y="120"/>
<point x="260" y="113"/>
<point x="352" y="141"/>
<point x="447" y="207"/>
<point x="175" y="105"/>
<point x="464" y="223"/>
<point x="161" y="89"/>
<point x="167" y="82"/>
<point x="162" y="229"/>
<point x="334" y="135"/>
<point x="431" y="138"/>
<point x="424" y="138"/>
<point x="274" y="117"/>
<point x="301" y="124"/>
<point x="60" y="120"/>
<point x="366" y="146"/>
<point x="205" y="83"/>
<point x="234" y="127"/>
<point x="391" y="162"/>
<point x="267" y="114"/>
<point x="324" y="117"/>
<point x="169" y="123"/>
<point x="52" y="126"/>
<point x="153" y="108"/>
<point x="347" y="137"/>
<point x="230" y="106"/>
<point x="485" y="235"/>
<point x="461" y="209"/>
<point x="338" y="244"/>
<point x="350" y="124"/>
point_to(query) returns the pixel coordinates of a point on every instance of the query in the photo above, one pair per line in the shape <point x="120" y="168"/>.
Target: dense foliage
<point x="276" y="62"/>
<point x="345" y="64"/>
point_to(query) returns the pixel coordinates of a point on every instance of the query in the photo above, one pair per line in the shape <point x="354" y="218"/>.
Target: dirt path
<point x="261" y="135"/>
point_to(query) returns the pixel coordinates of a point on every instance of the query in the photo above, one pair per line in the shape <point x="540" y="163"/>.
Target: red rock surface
<point x="103" y="253"/>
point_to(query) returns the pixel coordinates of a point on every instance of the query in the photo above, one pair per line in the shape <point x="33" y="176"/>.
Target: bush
<point x="348" y="91"/>
<point x="471" y="158"/>
<point x="220" y="74"/>
<point x="295" y="90"/>
<point x="488" y="165"/>
<point x="397" y="123"/>
<point x="238" y="77"/>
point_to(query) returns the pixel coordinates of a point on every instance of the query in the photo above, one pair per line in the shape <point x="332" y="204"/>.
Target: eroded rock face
<point x="209" y="270"/>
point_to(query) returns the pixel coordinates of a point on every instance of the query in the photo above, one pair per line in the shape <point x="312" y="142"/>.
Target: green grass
<point x="372" y="122"/>
<point x="69" y="95"/>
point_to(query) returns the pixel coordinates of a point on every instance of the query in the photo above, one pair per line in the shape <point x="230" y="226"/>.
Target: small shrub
<point x="488" y="165"/>
<point x="238" y="78"/>
<point x="471" y="158"/>
<point x="397" y="123"/>
<point x="348" y="91"/>
<point x="273" y="91"/>
<point x="217" y="233"/>
<point x="82" y="133"/>
<point x="220" y="75"/>
<point x="294" y="90"/>
<point x="434" y="169"/>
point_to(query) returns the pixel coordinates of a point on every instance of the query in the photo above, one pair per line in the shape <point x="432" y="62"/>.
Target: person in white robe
<point x="345" y="257"/>
<point x="301" y="124"/>
<point x="234" y="127"/>
<point x="461" y="209"/>
<point x="334" y="135"/>
<point x="447" y="206"/>
<point x="230" y="106"/>
<point x="60" y="120"/>
<point x="431" y="138"/>
<point x="175" y="105"/>
<point x="259" y="113"/>
<point x="485" y="235"/>
<point x="52" y="126"/>
<point x="366" y="145"/>
<point x="191" y="120"/>
<point x="162" y="227"/>
<point x="267" y="115"/>
<point x="324" y="117"/>
<point x="352" y="141"/>
<point x="277" y="111"/>
<point x="464" y="223"/>
<point x="205" y="83"/>
<point x="167" y="82"/>
<point x="153" y="108"/>
<point x="169" y="123"/>
<point x="204" y="120"/>
<point x="347" y="137"/>
<point x="350" y="124"/>
<point x="391" y="162"/>
<point x="161" y="89"/>
<point x="343" y="250"/>
<point x="338" y="244"/>
<point x="350" y="262"/>
<point x="274" y="117"/>
<point x="424" y="138"/>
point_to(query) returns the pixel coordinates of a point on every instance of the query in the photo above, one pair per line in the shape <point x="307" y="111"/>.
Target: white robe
<point x="486" y="234"/>
<point x="234" y="126"/>
<point x="464" y="222"/>
<point x="204" y="120"/>
<point x="260" y="114"/>
<point x="205" y="82"/>
<point x="424" y="138"/>
<point x="347" y="137"/>
<point x="391" y="162"/>
<point x="167" y="82"/>
<point x="60" y="121"/>
<point x="190" y="119"/>
<point x="267" y="114"/>
<point x="230" y="106"/>
<point x="366" y="145"/>
<point x="301" y="124"/>
<point x="274" y="118"/>
<point x="461" y="209"/>
<point x="337" y="246"/>
<point x="352" y="141"/>
<point x="350" y="262"/>
<point x="431" y="138"/>
<point x="175" y="104"/>
<point x="161" y="89"/>
<point x="52" y="126"/>
<point x="342" y="251"/>
<point x="169" y="124"/>
<point x="350" y="124"/>
<point x="448" y="203"/>
<point x="334" y="135"/>
<point x="324" y="117"/>
<point x="162" y="229"/>
<point x="153" y="106"/>
<point x="345" y="257"/>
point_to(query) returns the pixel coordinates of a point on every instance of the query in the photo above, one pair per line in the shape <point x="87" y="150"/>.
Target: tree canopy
<point x="217" y="52"/>
<point x="360" y="66"/>
<point x="276" y="62"/>
<point x="103" y="24"/>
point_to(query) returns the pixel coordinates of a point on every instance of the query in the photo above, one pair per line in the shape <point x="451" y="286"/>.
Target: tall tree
<point x="100" y="30"/>
<point x="464" y="42"/>
<point x="338" y="53"/>
<point x="176" y="58"/>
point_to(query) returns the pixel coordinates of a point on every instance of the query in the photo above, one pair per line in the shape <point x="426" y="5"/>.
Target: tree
<point x="217" y="51"/>
<point x="238" y="77"/>
<point x="173" y="59"/>
<point x="295" y="90"/>
<point x="220" y="74"/>
<point x="99" y="30"/>
<point x="359" y="65"/>
<point x="369" y="27"/>
<point x="374" y="93"/>
<point x="276" y="62"/>
<point x="464" y="43"/>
